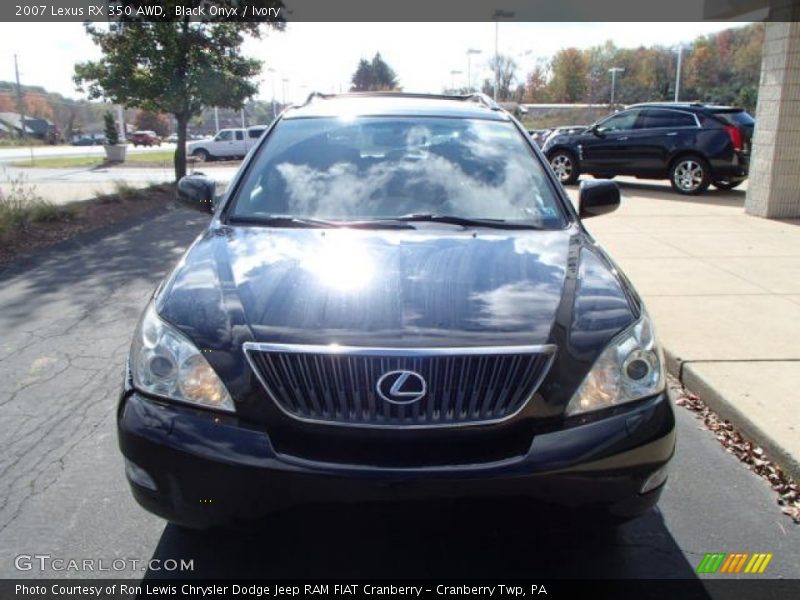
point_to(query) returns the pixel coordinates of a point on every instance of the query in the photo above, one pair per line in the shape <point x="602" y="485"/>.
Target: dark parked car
<point x="88" y="140"/>
<point x="394" y="299"/>
<point x="692" y="145"/>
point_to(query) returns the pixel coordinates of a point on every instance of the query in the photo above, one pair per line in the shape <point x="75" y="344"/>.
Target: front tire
<point x="565" y="166"/>
<point x="689" y="175"/>
<point x="727" y="184"/>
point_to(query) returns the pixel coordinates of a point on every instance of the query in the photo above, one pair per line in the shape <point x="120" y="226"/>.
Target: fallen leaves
<point x="752" y="455"/>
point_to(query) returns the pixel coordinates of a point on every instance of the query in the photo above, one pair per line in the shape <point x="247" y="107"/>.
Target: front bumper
<point x="209" y="469"/>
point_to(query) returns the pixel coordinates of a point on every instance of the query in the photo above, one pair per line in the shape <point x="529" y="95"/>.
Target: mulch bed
<point x="80" y="217"/>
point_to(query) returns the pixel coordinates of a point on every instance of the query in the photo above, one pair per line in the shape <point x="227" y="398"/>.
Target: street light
<point x="614" y="71"/>
<point x="470" y="52"/>
<point x="285" y="80"/>
<point x="498" y="14"/>
<point x="453" y="74"/>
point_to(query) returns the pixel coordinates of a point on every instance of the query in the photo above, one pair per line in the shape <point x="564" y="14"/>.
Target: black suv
<point x="394" y="299"/>
<point x="692" y="145"/>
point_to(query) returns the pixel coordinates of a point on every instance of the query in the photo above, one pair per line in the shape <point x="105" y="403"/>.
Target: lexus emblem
<point x="401" y="387"/>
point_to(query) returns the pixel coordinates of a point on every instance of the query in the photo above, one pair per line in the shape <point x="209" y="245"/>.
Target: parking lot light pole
<point x="498" y="14"/>
<point x="614" y="71"/>
<point x="470" y="52"/>
<point x="678" y="74"/>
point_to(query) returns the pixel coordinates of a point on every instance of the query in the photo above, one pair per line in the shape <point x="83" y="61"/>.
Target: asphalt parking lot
<point x="67" y="316"/>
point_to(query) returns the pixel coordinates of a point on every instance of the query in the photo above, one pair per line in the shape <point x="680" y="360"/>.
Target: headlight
<point x="631" y="367"/>
<point x="164" y="363"/>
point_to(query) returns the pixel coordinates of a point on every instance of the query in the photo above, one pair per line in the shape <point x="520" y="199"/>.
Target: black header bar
<point x="399" y="10"/>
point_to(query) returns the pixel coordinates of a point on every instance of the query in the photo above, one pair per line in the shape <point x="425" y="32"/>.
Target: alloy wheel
<point x="562" y="166"/>
<point x="688" y="175"/>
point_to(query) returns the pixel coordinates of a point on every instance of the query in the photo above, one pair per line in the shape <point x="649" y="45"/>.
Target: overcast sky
<point x="323" y="56"/>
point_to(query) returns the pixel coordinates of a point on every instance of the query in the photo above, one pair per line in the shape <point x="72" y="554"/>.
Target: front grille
<point x="338" y="385"/>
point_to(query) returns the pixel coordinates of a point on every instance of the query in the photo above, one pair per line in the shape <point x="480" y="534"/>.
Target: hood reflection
<point x="306" y="282"/>
<point x="342" y="264"/>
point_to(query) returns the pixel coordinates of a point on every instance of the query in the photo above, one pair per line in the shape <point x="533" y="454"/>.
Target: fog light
<point x="655" y="480"/>
<point x="139" y="476"/>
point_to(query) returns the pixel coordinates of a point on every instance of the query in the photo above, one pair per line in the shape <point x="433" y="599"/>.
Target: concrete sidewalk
<point x="724" y="291"/>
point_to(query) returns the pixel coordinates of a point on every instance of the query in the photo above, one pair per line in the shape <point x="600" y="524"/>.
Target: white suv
<point x="228" y="143"/>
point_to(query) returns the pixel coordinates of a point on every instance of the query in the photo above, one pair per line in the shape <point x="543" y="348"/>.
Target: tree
<point x="536" y="84"/>
<point x="7" y="103"/>
<point x="38" y="106"/>
<point x="504" y="69"/>
<point x="151" y="121"/>
<point x="112" y="135"/>
<point x="376" y="75"/>
<point x="362" y="79"/>
<point x="173" y="67"/>
<point x="570" y="73"/>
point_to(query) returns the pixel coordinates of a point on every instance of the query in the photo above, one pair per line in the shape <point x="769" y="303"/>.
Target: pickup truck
<point x="228" y="143"/>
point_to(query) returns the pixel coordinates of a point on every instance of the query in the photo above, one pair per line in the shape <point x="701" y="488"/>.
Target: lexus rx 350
<point x="394" y="299"/>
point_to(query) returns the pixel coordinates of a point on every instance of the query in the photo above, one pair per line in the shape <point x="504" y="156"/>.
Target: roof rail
<point x="478" y="97"/>
<point x="483" y="99"/>
<point x="314" y="95"/>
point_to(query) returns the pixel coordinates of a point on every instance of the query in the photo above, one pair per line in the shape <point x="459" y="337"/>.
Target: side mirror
<point x="597" y="198"/>
<point x="598" y="131"/>
<point x="197" y="191"/>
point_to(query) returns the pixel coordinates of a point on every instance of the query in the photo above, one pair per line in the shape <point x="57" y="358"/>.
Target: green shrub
<point x="112" y="135"/>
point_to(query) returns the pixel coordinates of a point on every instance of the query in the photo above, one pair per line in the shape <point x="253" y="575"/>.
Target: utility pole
<point x="20" y="99"/>
<point x="243" y="122"/>
<point x="216" y="120"/>
<point x="678" y="74"/>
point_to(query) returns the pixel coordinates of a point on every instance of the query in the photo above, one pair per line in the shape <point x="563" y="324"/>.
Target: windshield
<point x="388" y="167"/>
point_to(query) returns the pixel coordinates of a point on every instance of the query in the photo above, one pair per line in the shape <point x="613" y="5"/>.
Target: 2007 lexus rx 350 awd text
<point x="394" y="299"/>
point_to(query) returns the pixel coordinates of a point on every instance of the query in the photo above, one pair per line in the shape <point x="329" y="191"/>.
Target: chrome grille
<point x="337" y="385"/>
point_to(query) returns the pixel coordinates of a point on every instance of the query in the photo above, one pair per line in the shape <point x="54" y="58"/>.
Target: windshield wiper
<point x="280" y="221"/>
<point x="464" y="221"/>
<point x="312" y="223"/>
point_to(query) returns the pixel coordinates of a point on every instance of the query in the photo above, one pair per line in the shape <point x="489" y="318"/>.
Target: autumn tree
<point x="7" y="103"/>
<point x="570" y="71"/>
<point x="37" y="106"/>
<point x="173" y="67"/>
<point x="152" y="121"/>
<point x="536" y="84"/>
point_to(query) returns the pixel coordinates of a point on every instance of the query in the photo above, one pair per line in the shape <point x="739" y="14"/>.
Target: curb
<point x="728" y="410"/>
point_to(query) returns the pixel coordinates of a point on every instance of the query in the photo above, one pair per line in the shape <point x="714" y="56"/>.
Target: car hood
<point x="431" y="287"/>
<point x="434" y="286"/>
